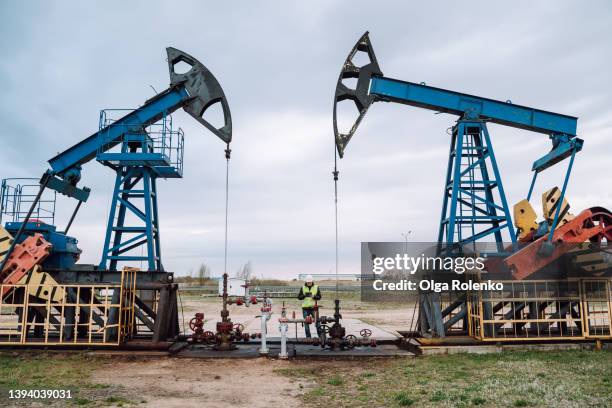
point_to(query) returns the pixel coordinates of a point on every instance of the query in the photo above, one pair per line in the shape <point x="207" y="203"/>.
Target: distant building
<point x="331" y="276"/>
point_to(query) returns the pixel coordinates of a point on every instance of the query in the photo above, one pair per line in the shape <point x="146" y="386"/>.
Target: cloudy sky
<point x="278" y="62"/>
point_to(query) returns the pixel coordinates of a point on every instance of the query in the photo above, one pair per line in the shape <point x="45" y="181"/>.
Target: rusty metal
<point x="196" y="325"/>
<point x="227" y="332"/>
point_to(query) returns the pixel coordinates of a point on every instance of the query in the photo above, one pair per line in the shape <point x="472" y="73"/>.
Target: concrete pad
<point x="251" y="350"/>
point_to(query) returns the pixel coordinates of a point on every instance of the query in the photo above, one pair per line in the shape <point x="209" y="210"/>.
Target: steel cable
<point x="228" y="153"/>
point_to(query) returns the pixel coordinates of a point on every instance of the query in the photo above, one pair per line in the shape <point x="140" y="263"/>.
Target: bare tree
<point x="245" y="271"/>
<point x="203" y="273"/>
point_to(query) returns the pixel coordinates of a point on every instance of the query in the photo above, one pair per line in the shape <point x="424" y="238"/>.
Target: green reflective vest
<point x="309" y="301"/>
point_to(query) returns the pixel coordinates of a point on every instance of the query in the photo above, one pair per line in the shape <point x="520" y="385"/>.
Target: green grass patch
<point x="335" y="380"/>
<point x="44" y="371"/>
<point x="576" y="378"/>
<point x="403" y="399"/>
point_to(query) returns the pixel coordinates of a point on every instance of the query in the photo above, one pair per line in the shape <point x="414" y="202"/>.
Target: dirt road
<point x="219" y="383"/>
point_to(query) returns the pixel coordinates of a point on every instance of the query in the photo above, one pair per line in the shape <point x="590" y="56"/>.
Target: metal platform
<point x="251" y="350"/>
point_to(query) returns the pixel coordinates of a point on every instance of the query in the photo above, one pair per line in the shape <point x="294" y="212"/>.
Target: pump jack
<point x="140" y="146"/>
<point x="474" y="202"/>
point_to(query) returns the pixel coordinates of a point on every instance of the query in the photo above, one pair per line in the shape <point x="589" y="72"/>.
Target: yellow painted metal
<point x="549" y="207"/>
<point x="87" y="314"/>
<point x="42" y="285"/>
<point x="5" y="242"/>
<point x="570" y="309"/>
<point x="525" y="218"/>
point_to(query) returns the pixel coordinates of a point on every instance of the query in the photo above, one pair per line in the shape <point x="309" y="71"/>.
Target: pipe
<point x="264" y="347"/>
<point x="284" y="329"/>
<point x="266" y="313"/>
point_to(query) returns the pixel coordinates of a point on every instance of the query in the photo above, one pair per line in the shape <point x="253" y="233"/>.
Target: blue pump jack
<point x="474" y="206"/>
<point x="140" y="146"/>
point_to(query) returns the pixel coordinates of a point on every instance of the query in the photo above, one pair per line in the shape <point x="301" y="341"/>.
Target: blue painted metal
<point x="562" y="196"/>
<point x="152" y="111"/>
<point x="66" y="186"/>
<point x="139" y="156"/>
<point x="470" y="210"/>
<point x="473" y="107"/>
<point x="563" y="147"/>
<point x="18" y="194"/>
<point x="64" y="249"/>
<point x="16" y="197"/>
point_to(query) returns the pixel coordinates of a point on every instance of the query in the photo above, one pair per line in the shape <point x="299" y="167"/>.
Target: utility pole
<point x="405" y="236"/>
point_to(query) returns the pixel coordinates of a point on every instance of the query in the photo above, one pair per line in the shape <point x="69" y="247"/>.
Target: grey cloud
<point x="278" y="63"/>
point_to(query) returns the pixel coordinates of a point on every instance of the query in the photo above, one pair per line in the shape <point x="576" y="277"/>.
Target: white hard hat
<point x="308" y="279"/>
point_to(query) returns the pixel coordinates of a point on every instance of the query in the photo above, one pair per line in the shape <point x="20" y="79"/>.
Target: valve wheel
<point x="351" y="341"/>
<point x="208" y="336"/>
<point x="239" y="327"/>
<point x="365" y="332"/>
<point x="325" y="328"/>
<point x="192" y="324"/>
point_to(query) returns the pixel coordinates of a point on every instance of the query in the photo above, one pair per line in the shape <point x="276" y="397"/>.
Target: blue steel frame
<point x="146" y="233"/>
<point x="469" y="194"/>
<point x="145" y="152"/>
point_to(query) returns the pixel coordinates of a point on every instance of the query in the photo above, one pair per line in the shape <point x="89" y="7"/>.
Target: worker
<point x="309" y="295"/>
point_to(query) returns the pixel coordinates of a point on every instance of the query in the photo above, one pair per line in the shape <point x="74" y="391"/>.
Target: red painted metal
<point x="196" y="324"/>
<point x="31" y="252"/>
<point x="594" y="224"/>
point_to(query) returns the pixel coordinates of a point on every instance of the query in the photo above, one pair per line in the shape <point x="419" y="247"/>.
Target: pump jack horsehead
<point x="473" y="175"/>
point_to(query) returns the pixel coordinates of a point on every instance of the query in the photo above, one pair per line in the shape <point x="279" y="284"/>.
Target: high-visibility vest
<point x="309" y="301"/>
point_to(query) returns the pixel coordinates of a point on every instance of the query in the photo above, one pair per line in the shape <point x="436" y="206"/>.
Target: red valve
<point x="239" y="327"/>
<point x="253" y="300"/>
<point x="239" y="302"/>
<point x="197" y="322"/>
